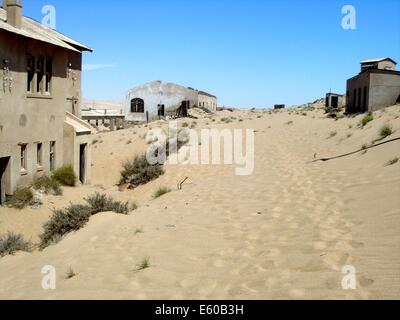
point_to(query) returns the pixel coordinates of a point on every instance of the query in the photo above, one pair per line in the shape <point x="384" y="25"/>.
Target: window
<point x="137" y="105"/>
<point x="39" y="154"/>
<point x="48" y="75"/>
<point x="52" y="155"/>
<point x="31" y="74"/>
<point x="23" y="156"/>
<point x="39" y="75"/>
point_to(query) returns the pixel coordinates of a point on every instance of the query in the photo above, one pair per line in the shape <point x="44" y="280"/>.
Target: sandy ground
<point x="284" y="232"/>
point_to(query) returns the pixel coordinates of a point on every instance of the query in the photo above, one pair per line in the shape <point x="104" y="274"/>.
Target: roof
<point x="35" y="30"/>
<point x="80" y="126"/>
<point x="377" y="60"/>
<point x="206" y="94"/>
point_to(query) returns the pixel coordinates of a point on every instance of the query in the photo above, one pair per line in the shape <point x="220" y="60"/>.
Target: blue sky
<point x="252" y="53"/>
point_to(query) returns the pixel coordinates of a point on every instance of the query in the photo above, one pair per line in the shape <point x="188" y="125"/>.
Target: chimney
<point x="14" y="12"/>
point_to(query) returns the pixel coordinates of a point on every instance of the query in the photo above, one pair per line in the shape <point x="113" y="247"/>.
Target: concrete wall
<point x="384" y="91"/>
<point x="169" y="94"/>
<point x="207" y="102"/>
<point x="30" y="118"/>
<point x="354" y="85"/>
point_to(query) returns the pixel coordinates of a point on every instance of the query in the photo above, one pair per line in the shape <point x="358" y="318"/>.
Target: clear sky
<point x="252" y="53"/>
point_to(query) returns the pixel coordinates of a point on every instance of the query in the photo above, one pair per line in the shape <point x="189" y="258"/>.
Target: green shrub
<point x="102" y="203"/>
<point x="64" y="221"/>
<point x="65" y="175"/>
<point x="21" y="198"/>
<point x="11" y="243"/>
<point x="160" y="192"/>
<point x="367" y="118"/>
<point x="138" y="171"/>
<point x="386" y="131"/>
<point x="47" y="185"/>
<point x="144" y="264"/>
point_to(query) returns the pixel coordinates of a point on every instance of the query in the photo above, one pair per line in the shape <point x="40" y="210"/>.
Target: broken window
<point x="23" y="156"/>
<point x="48" y="75"/>
<point x="137" y="105"/>
<point x="52" y="155"/>
<point x="39" y="74"/>
<point x="30" y="73"/>
<point x="39" y="154"/>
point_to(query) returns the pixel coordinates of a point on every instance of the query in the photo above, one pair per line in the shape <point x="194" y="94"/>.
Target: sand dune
<point x="284" y="232"/>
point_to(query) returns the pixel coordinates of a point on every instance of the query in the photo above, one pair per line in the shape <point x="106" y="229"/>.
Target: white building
<point x="158" y="99"/>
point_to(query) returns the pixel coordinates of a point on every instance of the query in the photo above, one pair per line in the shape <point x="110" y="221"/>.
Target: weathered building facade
<point x="159" y="99"/>
<point x="377" y="86"/>
<point x="39" y="101"/>
<point x="334" y="101"/>
<point x="208" y="101"/>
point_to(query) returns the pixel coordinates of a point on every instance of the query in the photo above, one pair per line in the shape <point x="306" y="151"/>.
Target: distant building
<point x="40" y="128"/>
<point x="279" y="106"/>
<point x="159" y="99"/>
<point x="334" y="101"/>
<point x="376" y="86"/>
<point x="208" y="101"/>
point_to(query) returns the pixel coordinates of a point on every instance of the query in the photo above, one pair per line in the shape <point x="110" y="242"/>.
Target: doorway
<point x="161" y="110"/>
<point x="3" y="171"/>
<point x="335" y="102"/>
<point x="82" y="163"/>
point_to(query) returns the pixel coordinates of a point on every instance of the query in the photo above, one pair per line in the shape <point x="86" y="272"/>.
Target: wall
<point x="154" y="93"/>
<point x="207" y="102"/>
<point x="385" y="90"/>
<point x="360" y="81"/>
<point x="26" y="118"/>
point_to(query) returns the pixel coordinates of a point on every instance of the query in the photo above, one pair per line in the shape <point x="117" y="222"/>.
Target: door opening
<point x="82" y="163"/>
<point x="335" y="102"/>
<point x="3" y="169"/>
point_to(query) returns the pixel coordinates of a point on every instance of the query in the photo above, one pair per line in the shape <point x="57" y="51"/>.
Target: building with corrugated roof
<point x="40" y="93"/>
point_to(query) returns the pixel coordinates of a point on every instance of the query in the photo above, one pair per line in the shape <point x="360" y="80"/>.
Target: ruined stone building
<point x="334" y="101"/>
<point x="159" y="99"/>
<point x="40" y="128"/>
<point x="376" y="86"/>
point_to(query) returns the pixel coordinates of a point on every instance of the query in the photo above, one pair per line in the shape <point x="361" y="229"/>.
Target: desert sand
<point x="284" y="232"/>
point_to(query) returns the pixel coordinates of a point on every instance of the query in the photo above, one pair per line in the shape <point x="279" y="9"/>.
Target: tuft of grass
<point x="367" y="118"/>
<point x="138" y="230"/>
<point x="226" y="120"/>
<point x="386" y="131"/>
<point x="21" y="198"/>
<point x="349" y="135"/>
<point x="364" y="146"/>
<point x="102" y="203"/>
<point x="160" y="192"/>
<point x="332" y="134"/>
<point x="65" y="175"/>
<point x="138" y="171"/>
<point x="95" y="141"/>
<point x="193" y="125"/>
<point x="289" y="122"/>
<point x="48" y="185"/>
<point x="12" y="243"/>
<point x="70" y="273"/>
<point x="144" y="264"/>
<point x="392" y="161"/>
<point x="185" y="125"/>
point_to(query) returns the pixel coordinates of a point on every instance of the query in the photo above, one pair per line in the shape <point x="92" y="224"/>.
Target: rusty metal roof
<point x="35" y="30"/>
<point x="377" y="60"/>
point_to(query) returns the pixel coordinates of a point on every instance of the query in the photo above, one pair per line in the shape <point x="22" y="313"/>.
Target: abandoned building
<point x="159" y="99"/>
<point x="334" y="101"/>
<point x="40" y="128"/>
<point x="377" y="86"/>
<point x="207" y="101"/>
